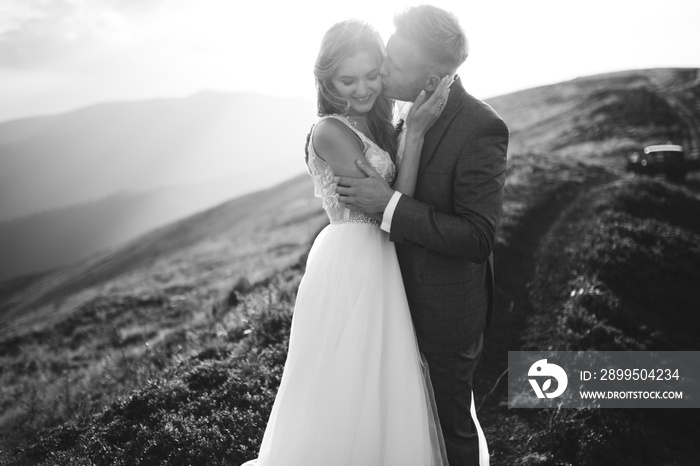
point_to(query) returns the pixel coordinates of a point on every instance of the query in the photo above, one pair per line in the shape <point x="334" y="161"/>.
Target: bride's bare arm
<point x="339" y="147"/>
<point x="423" y="114"/>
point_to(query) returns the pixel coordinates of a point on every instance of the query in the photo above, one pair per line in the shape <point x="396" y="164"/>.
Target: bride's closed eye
<point x="372" y="79"/>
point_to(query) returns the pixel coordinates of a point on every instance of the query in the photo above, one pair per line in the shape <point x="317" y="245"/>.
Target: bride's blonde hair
<point x="343" y="40"/>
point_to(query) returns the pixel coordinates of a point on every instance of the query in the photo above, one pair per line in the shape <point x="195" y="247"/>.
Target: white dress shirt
<point x="404" y="107"/>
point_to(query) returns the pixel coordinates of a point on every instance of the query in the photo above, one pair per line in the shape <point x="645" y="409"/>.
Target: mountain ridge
<point x="93" y="152"/>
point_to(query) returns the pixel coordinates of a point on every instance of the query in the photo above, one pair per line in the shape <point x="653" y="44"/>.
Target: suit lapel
<point x="434" y="134"/>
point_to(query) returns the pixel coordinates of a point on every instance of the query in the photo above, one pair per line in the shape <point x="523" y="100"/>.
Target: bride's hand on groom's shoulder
<point x="425" y="111"/>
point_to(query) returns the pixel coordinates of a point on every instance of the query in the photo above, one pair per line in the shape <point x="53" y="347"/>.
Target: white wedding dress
<point x="354" y="390"/>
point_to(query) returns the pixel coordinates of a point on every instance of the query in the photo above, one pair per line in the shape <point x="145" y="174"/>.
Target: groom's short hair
<point x="436" y="33"/>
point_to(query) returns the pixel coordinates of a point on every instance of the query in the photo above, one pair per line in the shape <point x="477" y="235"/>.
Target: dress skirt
<point x="355" y="390"/>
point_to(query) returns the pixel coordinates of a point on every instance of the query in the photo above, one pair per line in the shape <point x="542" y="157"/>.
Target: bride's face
<point x="357" y="79"/>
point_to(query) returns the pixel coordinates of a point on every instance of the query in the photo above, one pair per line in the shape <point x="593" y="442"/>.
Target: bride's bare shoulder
<point x="337" y="144"/>
<point x="334" y="138"/>
<point x="330" y="132"/>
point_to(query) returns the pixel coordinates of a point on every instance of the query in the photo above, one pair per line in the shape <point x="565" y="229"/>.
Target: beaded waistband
<point x="366" y="221"/>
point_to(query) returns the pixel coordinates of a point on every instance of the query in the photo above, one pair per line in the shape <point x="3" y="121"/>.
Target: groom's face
<point x="404" y="70"/>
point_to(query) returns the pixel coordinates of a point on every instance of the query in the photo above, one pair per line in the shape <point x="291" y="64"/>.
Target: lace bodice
<point x="322" y="177"/>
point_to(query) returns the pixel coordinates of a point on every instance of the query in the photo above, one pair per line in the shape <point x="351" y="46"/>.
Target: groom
<point x="445" y="234"/>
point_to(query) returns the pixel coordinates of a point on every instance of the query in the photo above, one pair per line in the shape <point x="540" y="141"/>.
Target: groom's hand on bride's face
<point x="370" y="195"/>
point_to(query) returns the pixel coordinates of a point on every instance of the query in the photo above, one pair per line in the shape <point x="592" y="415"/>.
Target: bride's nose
<point x="361" y="88"/>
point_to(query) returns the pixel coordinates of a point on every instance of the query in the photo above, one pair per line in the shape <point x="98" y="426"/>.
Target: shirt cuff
<point x="389" y="212"/>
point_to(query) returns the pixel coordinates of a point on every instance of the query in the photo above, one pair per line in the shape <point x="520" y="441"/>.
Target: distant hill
<point x="66" y="235"/>
<point x="98" y="151"/>
<point x="76" y="183"/>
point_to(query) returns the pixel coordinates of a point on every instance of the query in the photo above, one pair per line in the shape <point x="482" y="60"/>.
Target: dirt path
<point x="514" y="268"/>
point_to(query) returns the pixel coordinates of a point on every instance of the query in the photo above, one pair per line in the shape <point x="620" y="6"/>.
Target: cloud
<point x="39" y="33"/>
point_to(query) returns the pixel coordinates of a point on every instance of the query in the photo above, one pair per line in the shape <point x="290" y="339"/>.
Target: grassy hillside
<point x="169" y="351"/>
<point x="211" y="397"/>
<point x="83" y="336"/>
<point x="618" y="272"/>
<point x="602" y="117"/>
<point x="210" y="405"/>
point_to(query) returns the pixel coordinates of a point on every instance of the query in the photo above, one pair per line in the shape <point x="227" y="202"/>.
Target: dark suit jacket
<point x="445" y="234"/>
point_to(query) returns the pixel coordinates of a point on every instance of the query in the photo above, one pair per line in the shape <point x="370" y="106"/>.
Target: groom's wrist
<point x="389" y="211"/>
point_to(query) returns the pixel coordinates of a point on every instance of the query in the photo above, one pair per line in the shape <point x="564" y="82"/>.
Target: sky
<point x="59" y="55"/>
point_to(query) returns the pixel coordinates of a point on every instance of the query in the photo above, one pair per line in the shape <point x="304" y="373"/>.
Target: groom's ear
<point x="432" y="83"/>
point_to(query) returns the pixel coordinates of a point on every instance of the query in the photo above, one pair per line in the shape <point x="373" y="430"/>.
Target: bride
<point x="354" y="389"/>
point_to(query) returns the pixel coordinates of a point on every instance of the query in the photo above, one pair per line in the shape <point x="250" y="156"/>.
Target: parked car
<point x="665" y="159"/>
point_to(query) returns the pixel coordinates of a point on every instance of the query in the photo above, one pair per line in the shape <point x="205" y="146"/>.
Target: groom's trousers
<point x="451" y="376"/>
